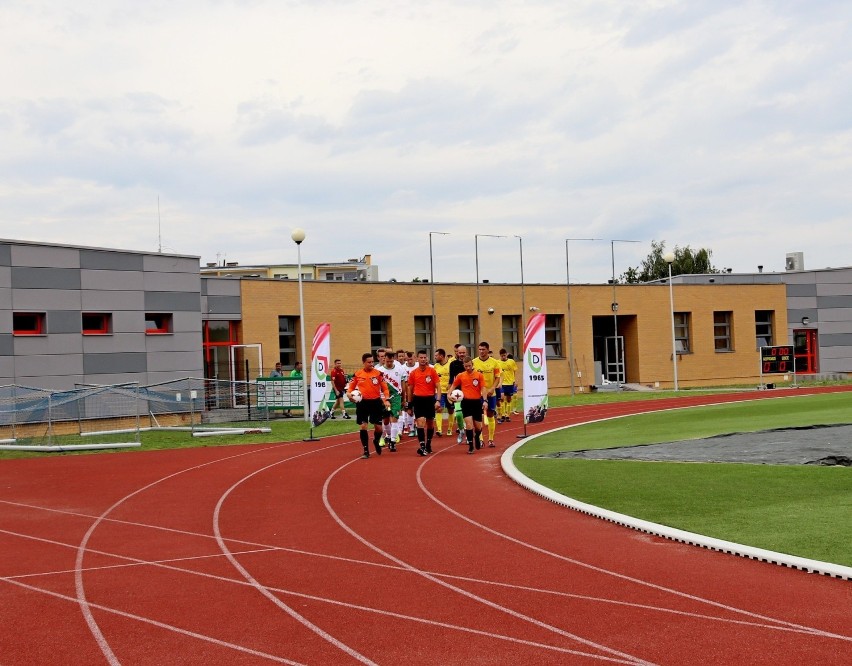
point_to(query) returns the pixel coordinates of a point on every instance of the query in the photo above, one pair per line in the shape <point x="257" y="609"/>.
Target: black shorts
<point x="473" y="408"/>
<point x="369" y="411"/>
<point x="423" y="406"/>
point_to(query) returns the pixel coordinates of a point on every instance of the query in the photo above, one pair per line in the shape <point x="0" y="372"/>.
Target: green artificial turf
<point x="795" y="509"/>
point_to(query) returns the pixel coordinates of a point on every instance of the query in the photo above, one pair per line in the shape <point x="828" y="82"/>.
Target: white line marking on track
<point x="487" y="602"/>
<point x="592" y="567"/>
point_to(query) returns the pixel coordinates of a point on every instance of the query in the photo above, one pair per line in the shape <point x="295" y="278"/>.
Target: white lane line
<point x="487" y="602"/>
<point x="340" y="645"/>
<point x="79" y="585"/>
<point x="260" y="547"/>
<point x="615" y="574"/>
<point x="155" y="623"/>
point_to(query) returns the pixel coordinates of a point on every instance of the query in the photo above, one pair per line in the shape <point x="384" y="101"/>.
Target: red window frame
<point x="29" y="323"/>
<point x="95" y="323"/>
<point x="158" y="323"/>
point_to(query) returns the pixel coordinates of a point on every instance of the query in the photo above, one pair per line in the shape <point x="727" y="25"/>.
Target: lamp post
<point x="669" y="257"/>
<point x="523" y="297"/>
<point x="298" y="235"/>
<point x="476" y="238"/>
<point x="618" y="360"/>
<point x="432" y="282"/>
<point x="571" y="368"/>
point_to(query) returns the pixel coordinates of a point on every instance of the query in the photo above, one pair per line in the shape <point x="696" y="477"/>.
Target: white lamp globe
<point x="668" y="257"/>
<point x="298" y="235"/>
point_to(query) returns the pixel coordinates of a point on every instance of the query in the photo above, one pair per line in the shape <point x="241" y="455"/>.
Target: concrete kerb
<point x="682" y="536"/>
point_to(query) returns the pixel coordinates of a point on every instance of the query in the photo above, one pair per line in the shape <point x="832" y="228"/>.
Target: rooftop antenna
<point x="159" y="228"/>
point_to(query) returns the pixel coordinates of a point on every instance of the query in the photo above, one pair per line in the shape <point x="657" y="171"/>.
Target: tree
<point x="654" y="267"/>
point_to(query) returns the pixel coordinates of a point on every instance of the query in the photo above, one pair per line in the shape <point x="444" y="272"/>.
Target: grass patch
<point x="799" y="510"/>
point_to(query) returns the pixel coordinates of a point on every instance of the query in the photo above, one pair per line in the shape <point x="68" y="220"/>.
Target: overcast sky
<point x="710" y="123"/>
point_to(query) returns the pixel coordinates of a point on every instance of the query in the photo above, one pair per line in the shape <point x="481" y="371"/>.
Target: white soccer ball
<point x="457" y="395"/>
<point x="355" y="395"/>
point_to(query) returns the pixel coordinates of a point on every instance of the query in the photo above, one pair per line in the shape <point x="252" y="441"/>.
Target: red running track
<point x="301" y="553"/>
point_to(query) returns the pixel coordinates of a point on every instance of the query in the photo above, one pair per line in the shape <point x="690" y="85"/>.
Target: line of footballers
<point x="477" y="393"/>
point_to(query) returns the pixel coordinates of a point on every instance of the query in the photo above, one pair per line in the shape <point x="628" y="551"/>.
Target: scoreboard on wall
<point x="777" y="359"/>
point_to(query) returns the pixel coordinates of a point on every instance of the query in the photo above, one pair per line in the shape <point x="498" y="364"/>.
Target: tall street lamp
<point x="476" y="238"/>
<point x="432" y="282"/>
<point x="571" y="368"/>
<point x="669" y="257"/>
<point x="298" y="235"/>
<point x="523" y="297"/>
<point x="619" y="362"/>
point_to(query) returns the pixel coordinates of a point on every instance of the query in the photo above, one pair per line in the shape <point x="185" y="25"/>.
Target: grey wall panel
<point x="171" y="263"/>
<point x="834" y="353"/>
<point x="222" y="307"/>
<point x="795" y="277"/>
<point x="123" y="362"/>
<point x="51" y="382"/>
<point x="836" y="314"/>
<point x="183" y="342"/>
<point x="794" y="317"/>
<point x="5" y="254"/>
<point x="111" y="261"/>
<point x="5" y="277"/>
<point x="833" y="327"/>
<point x="6" y="321"/>
<point x="171" y="376"/>
<point x="29" y="277"/>
<point x="172" y="282"/>
<point x="839" y="276"/>
<point x="111" y="280"/>
<point x="190" y="363"/>
<point x="128" y="321"/>
<point x="107" y="379"/>
<point x="187" y="322"/>
<point x="836" y="340"/>
<point x="117" y="342"/>
<point x="42" y="300"/>
<point x="7" y="344"/>
<point x="164" y="301"/>
<point x="7" y="370"/>
<point x="834" y="302"/>
<point x="802" y="303"/>
<point x="60" y="343"/>
<point x="49" y="365"/>
<point x="844" y="289"/>
<point x="841" y="365"/>
<point x="801" y="290"/>
<point x="220" y="286"/>
<point x="64" y="321"/>
<point x="111" y="301"/>
<point x="46" y="256"/>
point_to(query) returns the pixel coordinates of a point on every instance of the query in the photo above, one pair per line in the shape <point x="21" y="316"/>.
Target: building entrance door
<point x="805" y="351"/>
<point x="614" y="359"/>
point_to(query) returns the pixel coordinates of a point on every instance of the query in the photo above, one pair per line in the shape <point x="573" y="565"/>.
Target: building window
<point x="379" y="327"/>
<point x="28" y="323"/>
<point x="423" y="334"/>
<point x="553" y="336"/>
<point x="287" y="341"/>
<point x="722" y="331"/>
<point x="511" y="333"/>
<point x="681" y="332"/>
<point x="96" y="323"/>
<point x="467" y="331"/>
<point x="220" y="332"/>
<point x="763" y="327"/>
<point x="158" y="323"/>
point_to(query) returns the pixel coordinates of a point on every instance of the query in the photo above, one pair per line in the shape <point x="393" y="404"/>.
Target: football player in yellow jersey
<point x="490" y="369"/>
<point x="508" y="368"/>
<point x="442" y="367"/>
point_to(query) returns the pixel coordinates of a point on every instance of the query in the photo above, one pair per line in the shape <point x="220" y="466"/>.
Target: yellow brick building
<point x="718" y="325"/>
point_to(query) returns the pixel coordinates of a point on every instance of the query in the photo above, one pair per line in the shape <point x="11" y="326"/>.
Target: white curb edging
<point x="781" y="559"/>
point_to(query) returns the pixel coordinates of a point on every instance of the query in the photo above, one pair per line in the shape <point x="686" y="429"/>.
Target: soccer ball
<point x="457" y="395"/>
<point x="355" y="395"/>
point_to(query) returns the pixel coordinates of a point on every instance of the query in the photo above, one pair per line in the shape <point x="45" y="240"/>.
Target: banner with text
<point x="535" y="370"/>
<point x="320" y="377"/>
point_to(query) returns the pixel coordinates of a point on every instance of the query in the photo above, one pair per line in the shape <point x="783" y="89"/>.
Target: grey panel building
<point x="80" y="315"/>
